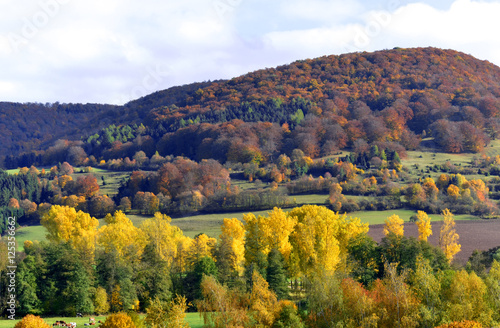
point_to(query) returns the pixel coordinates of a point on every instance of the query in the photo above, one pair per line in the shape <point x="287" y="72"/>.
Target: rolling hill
<point x="391" y="98"/>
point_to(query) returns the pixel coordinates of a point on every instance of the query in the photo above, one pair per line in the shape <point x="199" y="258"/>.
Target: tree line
<point x="308" y="267"/>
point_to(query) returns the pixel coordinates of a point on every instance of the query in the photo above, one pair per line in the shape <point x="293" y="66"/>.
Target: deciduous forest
<point x="310" y="143"/>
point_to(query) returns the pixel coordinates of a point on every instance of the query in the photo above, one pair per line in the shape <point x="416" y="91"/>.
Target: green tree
<point x="205" y="266"/>
<point x="27" y="286"/>
<point x="276" y="274"/>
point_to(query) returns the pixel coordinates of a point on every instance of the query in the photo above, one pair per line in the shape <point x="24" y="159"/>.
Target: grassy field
<point x="29" y="233"/>
<point x="317" y="199"/>
<point x="193" y="319"/>
<point x="113" y="179"/>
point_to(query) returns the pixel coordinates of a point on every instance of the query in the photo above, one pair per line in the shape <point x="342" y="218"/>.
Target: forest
<point x="391" y="98"/>
<point x="309" y="143"/>
<point x="309" y="267"/>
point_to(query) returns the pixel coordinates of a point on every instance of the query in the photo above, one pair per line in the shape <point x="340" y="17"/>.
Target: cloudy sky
<point x="113" y="51"/>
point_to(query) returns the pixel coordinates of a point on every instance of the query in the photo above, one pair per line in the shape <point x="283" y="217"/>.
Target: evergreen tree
<point x="276" y="274"/>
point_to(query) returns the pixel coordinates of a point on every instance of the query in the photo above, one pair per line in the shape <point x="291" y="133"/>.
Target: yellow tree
<point x="163" y="236"/>
<point x="448" y="237"/>
<point x="118" y="320"/>
<point x="65" y="224"/>
<point x="233" y="238"/>
<point x="277" y="227"/>
<point x="120" y="234"/>
<point x="320" y="239"/>
<point x="467" y="299"/>
<point x="167" y="314"/>
<point x="395" y="225"/>
<point x="200" y="247"/>
<point x="101" y="304"/>
<point x="424" y="225"/>
<point x="263" y="301"/>
<point x="222" y="307"/>
<point x="493" y="283"/>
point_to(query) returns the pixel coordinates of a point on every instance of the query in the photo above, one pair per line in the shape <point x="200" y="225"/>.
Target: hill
<point x="391" y="98"/>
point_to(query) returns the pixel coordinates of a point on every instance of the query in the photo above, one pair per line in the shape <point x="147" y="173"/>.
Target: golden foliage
<point x="120" y="234"/>
<point x="101" y="304"/>
<point x="448" y="238"/>
<point x="163" y="236"/>
<point x="320" y="238"/>
<point x="394" y="224"/>
<point x="118" y="320"/>
<point x="263" y="302"/>
<point x="222" y="307"/>
<point x="201" y="246"/>
<point x="170" y="314"/>
<point x="462" y="324"/>
<point x="424" y="225"/>
<point x="233" y="236"/>
<point x="65" y="224"/>
<point x="32" y="321"/>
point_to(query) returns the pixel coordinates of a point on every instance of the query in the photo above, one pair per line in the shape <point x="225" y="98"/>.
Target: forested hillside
<point x="391" y="98"/>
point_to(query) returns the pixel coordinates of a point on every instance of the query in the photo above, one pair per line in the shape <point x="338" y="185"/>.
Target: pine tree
<point x="276" y="274"/>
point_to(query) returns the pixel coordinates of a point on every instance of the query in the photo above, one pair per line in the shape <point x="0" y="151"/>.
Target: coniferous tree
<point x="276" y="274"/>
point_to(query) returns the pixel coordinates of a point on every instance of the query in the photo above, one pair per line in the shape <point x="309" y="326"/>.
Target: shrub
<point x="32" y="321"/>
<point x="118" y="320"/>
<point x="462" y="324"/>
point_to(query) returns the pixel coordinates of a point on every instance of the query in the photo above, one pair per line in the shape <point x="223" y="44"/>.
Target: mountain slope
<point x="387" y="97"/>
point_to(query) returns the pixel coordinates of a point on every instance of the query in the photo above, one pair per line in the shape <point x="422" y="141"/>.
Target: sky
<point x="114" y="51"/>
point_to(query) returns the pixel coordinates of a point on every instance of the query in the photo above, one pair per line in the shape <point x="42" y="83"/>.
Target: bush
<point x="462" y="324"/>
<point x="32" y="321"/>
<point x="118" y="320"/>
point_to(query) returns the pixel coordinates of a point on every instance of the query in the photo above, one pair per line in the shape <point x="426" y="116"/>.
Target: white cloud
<point x="108" y="51"/>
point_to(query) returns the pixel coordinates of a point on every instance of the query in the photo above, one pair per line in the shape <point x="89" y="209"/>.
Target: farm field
<point x="476" y="234"/>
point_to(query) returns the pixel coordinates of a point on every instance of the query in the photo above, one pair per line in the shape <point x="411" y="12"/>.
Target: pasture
<point x="192" y="318"/>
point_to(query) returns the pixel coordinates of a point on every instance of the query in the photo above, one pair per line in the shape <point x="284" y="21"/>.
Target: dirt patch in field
<point x="474" y="234"/>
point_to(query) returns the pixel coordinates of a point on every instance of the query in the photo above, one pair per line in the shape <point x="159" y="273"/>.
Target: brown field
<point x="474" y="234"/>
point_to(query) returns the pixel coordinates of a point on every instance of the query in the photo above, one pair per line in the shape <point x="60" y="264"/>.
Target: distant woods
<point x="319" y="106"/>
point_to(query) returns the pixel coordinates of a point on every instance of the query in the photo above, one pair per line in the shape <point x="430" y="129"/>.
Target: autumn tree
<point x="320" y="239"/>
<point x="492" y="282"/>
<point x="397" y="307"/>
<point x="86" y="186"/>
<point x="427" y="289"/>
<point x="201" y="246"/>
<point x="65" y="224"/>
<point x="263" y="302"/>
<point x="163" y="237"/>
<point x="424" y="225"/>
<point x="466" y="299"/>
<point x="118" y="320"/>
<point x="394" y="224"/>
<point x="462" y="324"/>
<point x="233" y="242"/>
<point x="448" y="238"/>
<point x="222" y="307"/>
<point x="101" y="304"/>
<point x="120" y="235"/>
<point x="167" y="313"/>
<point x="66" y="169"/>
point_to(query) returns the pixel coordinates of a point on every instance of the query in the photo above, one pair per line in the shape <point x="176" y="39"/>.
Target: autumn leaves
<point x="448" y="238"/>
